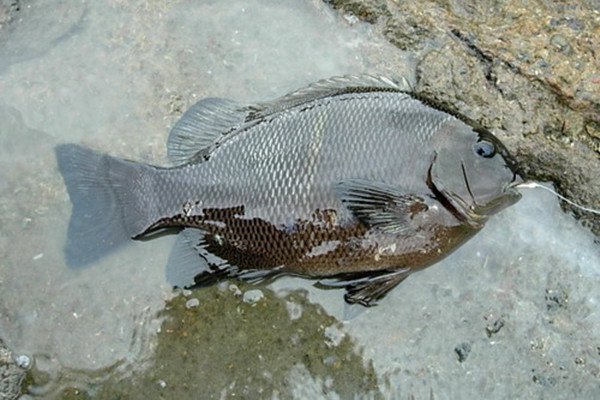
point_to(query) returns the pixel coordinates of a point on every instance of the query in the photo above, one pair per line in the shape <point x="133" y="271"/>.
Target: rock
<point x="294" y="310"/>
<point x="8" y="9"/>
<point x="368" y="11"/>
<point x="556" y="299"/>
<point x="494" y="327"/>
<point x="253" y="296"/>
<point x="23" y="361"/>
<point x="462" y="351"/>
<point x="334" y="336"/>
<point x="11" y="375"/>
<point x="192" y="303"/>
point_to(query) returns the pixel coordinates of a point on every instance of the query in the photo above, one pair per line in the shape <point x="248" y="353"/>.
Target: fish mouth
<point x="510" y="195"/>
<point x="453" y="202"/>
<point x="473" y="214"/>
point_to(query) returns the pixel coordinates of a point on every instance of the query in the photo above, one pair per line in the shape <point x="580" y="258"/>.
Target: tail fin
<point x="110" y="201"/>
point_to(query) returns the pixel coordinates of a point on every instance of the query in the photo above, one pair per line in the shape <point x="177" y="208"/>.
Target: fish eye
<point x="484" y="149"/>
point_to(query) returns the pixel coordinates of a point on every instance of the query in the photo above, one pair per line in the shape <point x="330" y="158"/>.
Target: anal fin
<point x="190" y="264"/>
<point x="185" y="262"/>
<point x="367" y="289"/>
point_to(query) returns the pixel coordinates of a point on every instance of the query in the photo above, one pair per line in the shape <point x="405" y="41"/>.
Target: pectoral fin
<point x="381" y="206"/>
<point x="367" y="290"/>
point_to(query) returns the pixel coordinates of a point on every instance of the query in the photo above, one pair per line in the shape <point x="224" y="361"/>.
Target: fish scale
<point x="279" y="183"/>
<point x="355" y="178"/>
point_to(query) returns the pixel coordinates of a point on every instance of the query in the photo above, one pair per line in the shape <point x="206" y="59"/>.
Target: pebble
<point x="222" y="286"/>
<point x="23" y="361"/>
<point x="462" y="351"/>
<point x="561" y="43"/>
<point x="294" y="310"/>
<point x="235" y="290"/>
<point x="192" y="303"/>
<point x="253" y="296"/>
<point x="334" y="336"/>
<point x="26" y="222"/>
<point x="494" y="327"/>
<point x="330" y="361"/>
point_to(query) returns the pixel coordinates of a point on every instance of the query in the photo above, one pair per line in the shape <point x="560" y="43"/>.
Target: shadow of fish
<point x="356" y="181"/>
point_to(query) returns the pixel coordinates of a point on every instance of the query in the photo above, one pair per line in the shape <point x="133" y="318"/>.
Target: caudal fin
<point x="110" y="202"/>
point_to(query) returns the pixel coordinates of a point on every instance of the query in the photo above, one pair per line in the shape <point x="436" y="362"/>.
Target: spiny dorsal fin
<point x="202" y="126"/>
<point x="210" y="120"/>
<point x="329" y="87"/>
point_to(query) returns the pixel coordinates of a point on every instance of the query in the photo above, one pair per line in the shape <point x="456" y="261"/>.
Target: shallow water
<point x="115" y="76"/>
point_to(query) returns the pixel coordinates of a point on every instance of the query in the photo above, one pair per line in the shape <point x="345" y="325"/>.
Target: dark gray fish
<point x="353" y="179"/>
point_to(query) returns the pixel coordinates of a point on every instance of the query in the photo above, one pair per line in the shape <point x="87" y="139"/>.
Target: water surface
<point x="115" y="76"/>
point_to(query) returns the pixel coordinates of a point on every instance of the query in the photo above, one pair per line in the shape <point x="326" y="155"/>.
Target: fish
<point x="355" y="182"/>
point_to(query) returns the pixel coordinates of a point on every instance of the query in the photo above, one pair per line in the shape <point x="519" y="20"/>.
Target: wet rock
<point x="334" y="336"/>
<point x="368" y="11"/>
<point x="526" y="70"/>
<point x="494" y="326"/>
<point x="253" y="296"/>
<point x="294" y="310"/>
<point x="192" y="303"/>
<point x="556" y="299"/>
<point x="543" y="379"/>
<point x="11" y="375"/>
<point x="8" y="9"/>
<point x="462" y="351"/>
<point x="559" y="42"/>
<point x="23" y="361"/>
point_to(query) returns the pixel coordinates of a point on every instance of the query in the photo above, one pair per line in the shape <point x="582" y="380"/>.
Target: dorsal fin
<point x="326" y="88"/>
<point x="208" y="121"/>
<point x="202" y="126"/>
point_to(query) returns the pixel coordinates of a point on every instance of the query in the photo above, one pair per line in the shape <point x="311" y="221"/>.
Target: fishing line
<point x="530" y="185"/>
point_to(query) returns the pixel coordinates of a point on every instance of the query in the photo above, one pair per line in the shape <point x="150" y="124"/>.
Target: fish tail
<point x="111" y="201"/>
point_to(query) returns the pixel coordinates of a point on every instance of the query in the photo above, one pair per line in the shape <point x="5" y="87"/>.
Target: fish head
<point x="474" y="172"/>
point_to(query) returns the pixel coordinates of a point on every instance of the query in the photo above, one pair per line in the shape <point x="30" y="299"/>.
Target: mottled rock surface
<point x="528" y="70"/>
<point x="11" y="375"/>
<point x="8" y="8"/>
